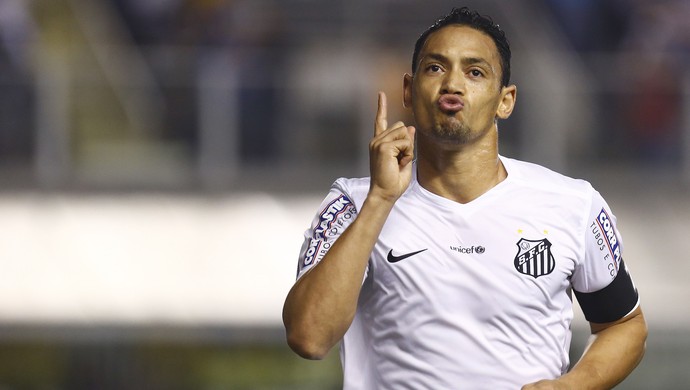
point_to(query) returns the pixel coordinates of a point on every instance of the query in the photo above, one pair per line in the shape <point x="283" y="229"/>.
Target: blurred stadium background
<point x="159" y="160"/>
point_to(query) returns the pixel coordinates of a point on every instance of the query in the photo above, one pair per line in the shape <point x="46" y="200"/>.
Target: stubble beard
<point x="453" y="131"/>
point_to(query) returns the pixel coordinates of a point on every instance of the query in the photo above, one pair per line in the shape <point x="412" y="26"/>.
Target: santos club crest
<point x="534" y="258"/>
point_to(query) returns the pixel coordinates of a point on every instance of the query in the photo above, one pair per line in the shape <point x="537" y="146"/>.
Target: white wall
<point x="190" y="260"/>
<point x="148" y="259"/>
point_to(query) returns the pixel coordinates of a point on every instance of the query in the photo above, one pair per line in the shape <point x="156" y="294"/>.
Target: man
<point x="455" y="271"/>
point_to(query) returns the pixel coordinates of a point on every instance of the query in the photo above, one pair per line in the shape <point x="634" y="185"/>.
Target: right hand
<point x="390" y="153"/>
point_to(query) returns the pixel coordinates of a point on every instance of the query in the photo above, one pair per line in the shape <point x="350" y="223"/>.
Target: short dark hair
<point x="464" y="17"/>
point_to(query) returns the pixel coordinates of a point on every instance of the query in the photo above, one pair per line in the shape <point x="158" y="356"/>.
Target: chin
<point x="455" y="133"/>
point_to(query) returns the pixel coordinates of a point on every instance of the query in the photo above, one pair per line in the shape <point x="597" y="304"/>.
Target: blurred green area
<point x="249" y="364"/>
<point x="162" y="366"/>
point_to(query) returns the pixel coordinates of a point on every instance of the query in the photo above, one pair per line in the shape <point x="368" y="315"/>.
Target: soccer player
<point x="455" y="270"/>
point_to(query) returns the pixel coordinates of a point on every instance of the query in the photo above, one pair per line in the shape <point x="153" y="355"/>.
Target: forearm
<point x="611" y="355"/>
<point x="321" y="305"/>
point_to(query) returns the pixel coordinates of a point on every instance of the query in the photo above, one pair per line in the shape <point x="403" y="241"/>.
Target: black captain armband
<point x="612" y="302"/>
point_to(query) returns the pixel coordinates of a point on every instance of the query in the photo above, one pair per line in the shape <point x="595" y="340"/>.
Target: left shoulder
<point x="544" y="179"/>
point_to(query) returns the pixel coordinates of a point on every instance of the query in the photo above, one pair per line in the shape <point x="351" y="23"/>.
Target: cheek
<point x="421" y="114"/>
<point x="487" y="104"/>
<point x="419" y="106"/>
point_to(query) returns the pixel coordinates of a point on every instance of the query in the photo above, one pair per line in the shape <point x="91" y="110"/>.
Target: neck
<point x="459" y="172"/>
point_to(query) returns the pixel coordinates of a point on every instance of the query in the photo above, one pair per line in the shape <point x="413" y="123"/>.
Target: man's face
<point x="455" y="93"/>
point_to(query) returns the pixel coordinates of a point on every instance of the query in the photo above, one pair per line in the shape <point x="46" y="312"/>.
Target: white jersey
<point x="476" y="295"/>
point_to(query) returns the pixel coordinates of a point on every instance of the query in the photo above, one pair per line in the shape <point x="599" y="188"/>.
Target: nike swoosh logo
<point x="394" y="259"/>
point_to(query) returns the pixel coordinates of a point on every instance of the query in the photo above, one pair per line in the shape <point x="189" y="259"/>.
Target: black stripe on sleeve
<point x="612" y="302"/>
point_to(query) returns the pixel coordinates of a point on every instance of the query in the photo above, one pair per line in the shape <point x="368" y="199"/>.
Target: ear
<point x="407" y="90"/>
<point x="507" y="102"/>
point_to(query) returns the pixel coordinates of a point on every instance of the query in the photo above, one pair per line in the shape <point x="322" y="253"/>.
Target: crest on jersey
<point x="534" y="257"/>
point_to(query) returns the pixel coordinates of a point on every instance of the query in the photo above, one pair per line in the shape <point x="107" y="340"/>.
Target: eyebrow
<point x="465" y="60"/>
<point x="475" y="61"/>
<point x="433" y="56"/>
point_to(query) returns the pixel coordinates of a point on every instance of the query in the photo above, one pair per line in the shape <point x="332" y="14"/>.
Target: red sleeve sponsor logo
<point x="332" y="221"/>
<point x="316" y="248"/>
<point x="335" y="212"/>
<point x="605" y="235"/>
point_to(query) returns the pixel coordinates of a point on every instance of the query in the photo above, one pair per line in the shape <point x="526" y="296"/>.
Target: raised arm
<point x="321" y="305"/>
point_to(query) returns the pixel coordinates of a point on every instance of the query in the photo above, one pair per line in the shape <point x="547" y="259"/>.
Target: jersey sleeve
<point x="602" y="284"/>
<point x="336" y="213"/>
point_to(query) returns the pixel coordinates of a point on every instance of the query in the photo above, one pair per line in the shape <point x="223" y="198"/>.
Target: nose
<point x="453" y="83"/>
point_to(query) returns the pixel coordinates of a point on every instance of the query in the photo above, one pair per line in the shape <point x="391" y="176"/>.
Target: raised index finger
<point x="381" y="115"/>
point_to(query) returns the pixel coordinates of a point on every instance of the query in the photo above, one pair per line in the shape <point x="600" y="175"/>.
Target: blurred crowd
<point x="644" y="72"/>
<point x="17" y="34"/>
<point x="636" y="51"/>
<point x="248" y="31"/>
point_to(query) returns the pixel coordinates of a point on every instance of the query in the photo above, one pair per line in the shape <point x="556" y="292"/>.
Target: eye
<point x="434" y="68"/>
<point x="476" y="73"/>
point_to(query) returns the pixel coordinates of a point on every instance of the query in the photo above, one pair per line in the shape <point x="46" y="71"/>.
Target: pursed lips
<point x="450" y="103"/>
